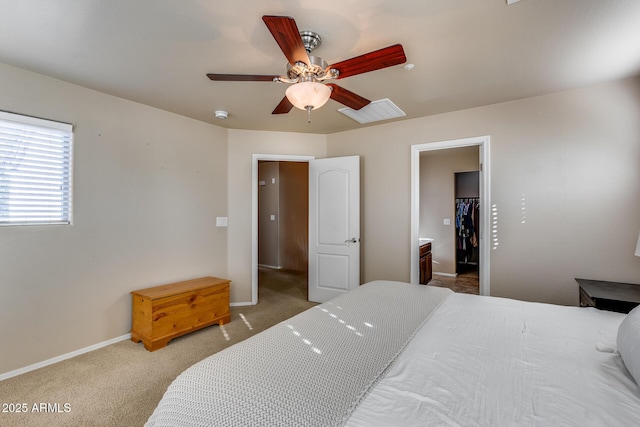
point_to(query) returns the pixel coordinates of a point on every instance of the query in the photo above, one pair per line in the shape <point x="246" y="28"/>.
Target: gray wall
<point x="268" y="207"/>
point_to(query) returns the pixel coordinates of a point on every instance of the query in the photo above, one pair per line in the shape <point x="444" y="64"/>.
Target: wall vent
<point x="382" y="109"/>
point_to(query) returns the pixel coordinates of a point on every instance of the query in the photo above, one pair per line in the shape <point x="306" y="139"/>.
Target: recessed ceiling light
<point x="220" y="114"/>
<point x="409" y="67"/>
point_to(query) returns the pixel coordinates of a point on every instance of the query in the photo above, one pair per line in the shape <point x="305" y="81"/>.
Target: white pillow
<point x="629" y="343"/>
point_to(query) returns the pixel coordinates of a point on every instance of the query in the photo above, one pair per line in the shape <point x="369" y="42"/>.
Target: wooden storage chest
<point x="162" y="313"/>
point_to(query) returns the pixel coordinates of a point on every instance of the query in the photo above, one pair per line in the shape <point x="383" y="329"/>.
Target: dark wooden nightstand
<point x="612" y="296"/>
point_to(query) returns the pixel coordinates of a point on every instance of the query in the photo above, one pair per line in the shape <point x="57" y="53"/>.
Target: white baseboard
<point x="57" y="359"/>
<point x="446" y="274"/>
<point x="239" y="304"/>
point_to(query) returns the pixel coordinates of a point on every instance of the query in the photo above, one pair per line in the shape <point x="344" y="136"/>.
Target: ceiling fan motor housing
<point x="318" y="69"/>
<point x="310" y="40"/>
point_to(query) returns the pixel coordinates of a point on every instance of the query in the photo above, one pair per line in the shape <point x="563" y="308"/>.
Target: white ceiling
<point x="466" y="53"/>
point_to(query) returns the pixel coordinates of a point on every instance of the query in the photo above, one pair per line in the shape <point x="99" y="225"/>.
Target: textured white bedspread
<point x="311" y="370"/>
<point x="483" y="361"/>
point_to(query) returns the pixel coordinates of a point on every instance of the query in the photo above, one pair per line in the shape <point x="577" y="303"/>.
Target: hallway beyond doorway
<point x="287" y="285"/>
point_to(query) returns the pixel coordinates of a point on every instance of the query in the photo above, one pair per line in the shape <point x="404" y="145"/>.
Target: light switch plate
<point x="447" y="221"/>
<point x="222" y="221"/>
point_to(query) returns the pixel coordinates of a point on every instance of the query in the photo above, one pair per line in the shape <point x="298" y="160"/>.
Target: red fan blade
<point x="285" y="31"/>
<point x="347" y="97"/>
<point x="284" y="107"/>
<point x="382" y="58"/>
<point x="240" y="78"/>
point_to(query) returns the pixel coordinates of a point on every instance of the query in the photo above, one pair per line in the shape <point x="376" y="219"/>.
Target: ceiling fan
<point x="307" y="73"/>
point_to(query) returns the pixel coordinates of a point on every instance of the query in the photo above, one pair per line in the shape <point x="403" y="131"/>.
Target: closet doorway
<point x="467" y="229"/>
<point x="283" y="212"/>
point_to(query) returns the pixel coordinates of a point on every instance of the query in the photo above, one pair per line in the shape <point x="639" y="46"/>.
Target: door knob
<point x="352" y="240"/>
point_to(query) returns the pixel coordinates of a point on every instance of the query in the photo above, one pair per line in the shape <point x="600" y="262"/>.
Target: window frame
<point x="63" y="142"/>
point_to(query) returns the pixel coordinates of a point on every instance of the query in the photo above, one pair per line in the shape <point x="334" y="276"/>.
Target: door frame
<point x="483" y="143"/>
<point x="255" y="158"/>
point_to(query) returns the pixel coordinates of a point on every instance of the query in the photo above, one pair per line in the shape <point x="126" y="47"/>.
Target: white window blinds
<point x="35" y="171"/>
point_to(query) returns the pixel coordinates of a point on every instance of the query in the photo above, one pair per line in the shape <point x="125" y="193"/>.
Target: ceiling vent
<point x="376" y="111"/>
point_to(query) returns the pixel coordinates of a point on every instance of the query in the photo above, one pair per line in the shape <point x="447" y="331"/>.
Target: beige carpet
<point x="121" y="384"/>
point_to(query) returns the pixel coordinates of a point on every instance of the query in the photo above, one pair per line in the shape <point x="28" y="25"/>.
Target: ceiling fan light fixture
<point x="308" y="94"/>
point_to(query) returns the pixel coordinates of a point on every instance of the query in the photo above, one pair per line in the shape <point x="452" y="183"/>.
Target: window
<point x="35" y="171"/>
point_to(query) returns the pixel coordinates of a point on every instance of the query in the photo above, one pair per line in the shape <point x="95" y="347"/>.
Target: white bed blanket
<point x="311" y="370"/>
<point x="483" y="361"/>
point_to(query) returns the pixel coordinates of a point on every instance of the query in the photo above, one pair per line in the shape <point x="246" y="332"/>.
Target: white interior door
<point x="334" y="227"/>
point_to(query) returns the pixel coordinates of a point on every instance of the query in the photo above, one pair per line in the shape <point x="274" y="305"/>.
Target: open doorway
<point x="333" y="186"/>
<point x="445" y="221"/>
<point x="274" y="276"/>
<point x="449" y="214"/>
<point x="283" y="212"/>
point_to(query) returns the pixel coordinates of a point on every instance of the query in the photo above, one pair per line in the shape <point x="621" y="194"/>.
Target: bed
<point x="396" y="354"/>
